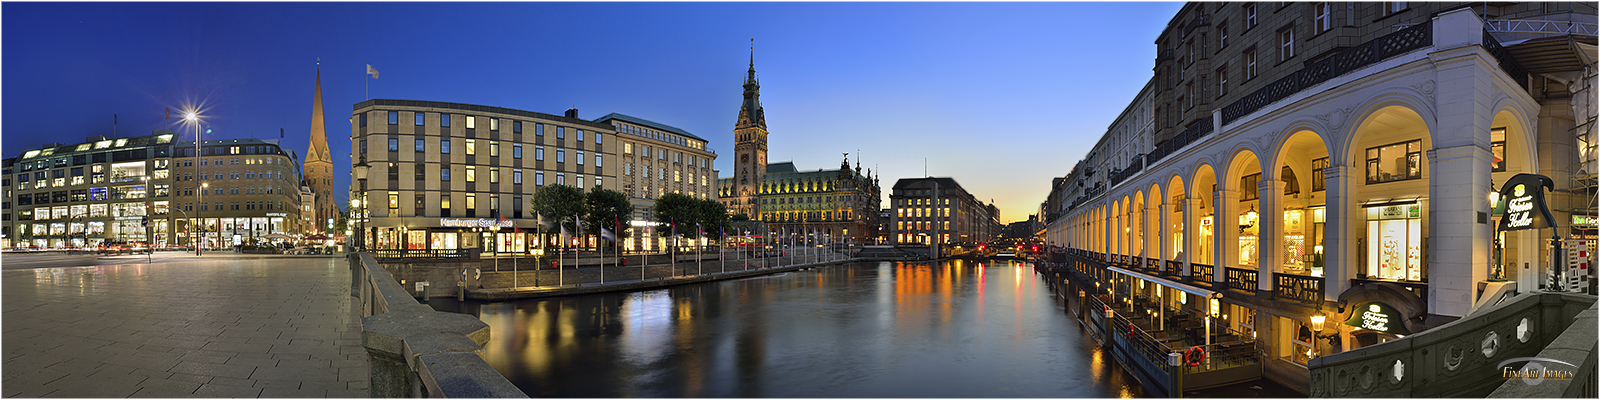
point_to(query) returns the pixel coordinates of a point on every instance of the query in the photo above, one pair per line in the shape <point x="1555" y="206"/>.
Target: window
<point x="677" y="176"/>
<point x="599" y="160"/>
<point x="1188" y="98"/>
<point x="494" y="175"/>
<point x="1321" y="17"/>
<point x="597" y="182"/>
<point x="444" y="146"/>
<point x="1250" y="64"/>
<point x="494" y="149"/>
<point x="420" y="172"/>
<point x="627" y="169"/>
<point x="420" y="145"/>
<point x="1222" y="81"/>
<point x="561" y="155"/>
<point x="1392" y="7"/>
<point x="420" y="204"/>
<point x="421" y="117"/>
<point x="1222" y="36"/>
<point x="1249" y="16"/>
<point x="444" y="174"/>
<point x="580" y="139"/>
<point x="472" y="123"/>
<point x="516" y="176"/>
<point x="472" y="147"/>
<point x="1394" y="242"/>
<point x="1497" y="149"/>
<point x="516" y="127"/>
<point x="1247" y="187"/>
<point x="1395" y="162"/>
<point x="538" y="178"/>
<point x="1318" y="175"/>
<point x="561" y="178"/>
<point x="538" y="129"/>
<point x="561" y="132"/>
<point x="444" y="205"/>
<point x="472" y="174"/>
<point x="580" y="158"/>
<point x="362" y="120"/>
<point x="661" y="173"/>
<point x="494" y="124"/>
<point x="579" y="181"/>
<point x="444" y="120"/>
<point x="1188" y="51"/>
<point x="599" y="139"/>
<point x="627" y="148"/>
<point x="1286" y="44"/>
<point x="394" y="118"/>
<point x="538" y="153"/>
<point x="394" y="172"/>
<point x="394" y="203"/>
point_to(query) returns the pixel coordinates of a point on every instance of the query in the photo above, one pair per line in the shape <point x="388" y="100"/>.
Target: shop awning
<point x="1163" y="282"/>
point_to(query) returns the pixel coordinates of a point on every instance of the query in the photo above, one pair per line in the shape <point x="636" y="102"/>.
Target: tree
<point x="713" y="215"/>
<point x="740" y="217"/>
<point x="558" y="205"/>
<point x="677" y="208"/>
<point x="609" y="209"/>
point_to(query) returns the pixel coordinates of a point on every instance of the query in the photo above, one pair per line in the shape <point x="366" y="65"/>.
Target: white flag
<point x="371" y="71"/>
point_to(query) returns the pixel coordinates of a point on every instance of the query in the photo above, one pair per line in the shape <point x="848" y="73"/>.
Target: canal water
<point x="947" y="329"/>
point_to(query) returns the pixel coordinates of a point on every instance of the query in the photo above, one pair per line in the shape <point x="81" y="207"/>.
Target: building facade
<point x="940" y="211"/>
<point x="657" y="159"/>
<point x="143" y="190"/>
<point x="436" y="175"/>
<point x="319" y="170"/>
<point x="1355" y="145"/>
<point x="8" y="217"/>
<point x="243" y="191"/>
<point x="839" y="205"/>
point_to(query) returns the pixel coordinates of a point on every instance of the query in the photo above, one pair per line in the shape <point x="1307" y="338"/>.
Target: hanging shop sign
<point x="1585" y="220"/>
<point x="473" y="223"/>
<point x="1523" y="203"/>
<point x="1377" y="316"/>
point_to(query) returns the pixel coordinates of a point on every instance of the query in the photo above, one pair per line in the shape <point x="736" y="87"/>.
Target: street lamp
<point x="192" y="118"/>
<point x="359" y="202"/>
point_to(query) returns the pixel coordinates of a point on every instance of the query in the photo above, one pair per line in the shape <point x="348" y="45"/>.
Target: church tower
<point x="319" y="169"/>
<point x="750" y="148"/>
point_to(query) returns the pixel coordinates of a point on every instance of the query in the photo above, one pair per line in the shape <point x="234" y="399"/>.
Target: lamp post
<point x="358" y="201"/>
<point x="192" y="118"/>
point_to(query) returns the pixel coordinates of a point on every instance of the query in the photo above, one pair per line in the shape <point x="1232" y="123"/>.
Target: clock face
<point x="744" y="158"/>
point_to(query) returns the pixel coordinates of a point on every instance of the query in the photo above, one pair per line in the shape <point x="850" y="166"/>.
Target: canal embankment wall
<point x="416" y="351"/>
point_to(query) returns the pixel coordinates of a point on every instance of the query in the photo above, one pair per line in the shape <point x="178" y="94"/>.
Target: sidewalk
<point x="211" y="326"/>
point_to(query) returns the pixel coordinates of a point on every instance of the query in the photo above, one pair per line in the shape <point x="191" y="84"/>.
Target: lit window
<point x="472" y="147"/>
<point x="1395" y="162"/>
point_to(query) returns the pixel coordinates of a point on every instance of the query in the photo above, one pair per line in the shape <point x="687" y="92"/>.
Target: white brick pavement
<point x="186" y="327"/>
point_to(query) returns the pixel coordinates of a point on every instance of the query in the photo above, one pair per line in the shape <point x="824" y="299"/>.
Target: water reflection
<point x="859" y="330"/>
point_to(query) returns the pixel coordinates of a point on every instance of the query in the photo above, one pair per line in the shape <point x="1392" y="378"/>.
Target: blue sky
<point x="1000" y="96"/>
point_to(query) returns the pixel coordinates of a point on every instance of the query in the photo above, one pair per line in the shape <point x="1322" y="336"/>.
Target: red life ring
<point x="1195" y="356"/>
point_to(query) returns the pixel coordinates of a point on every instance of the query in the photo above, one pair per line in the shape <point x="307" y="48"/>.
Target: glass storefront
<point x="1394" y="242"/>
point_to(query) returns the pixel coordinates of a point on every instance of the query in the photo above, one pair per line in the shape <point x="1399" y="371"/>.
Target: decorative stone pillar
<point x="1341" y="218"/>
<point x="1160" y="235"/>
<point x="1457" y="250"/>
<point x="1270" y="242"/>
<point x="1191" y="227"/>
<point x="1225" y="233"/>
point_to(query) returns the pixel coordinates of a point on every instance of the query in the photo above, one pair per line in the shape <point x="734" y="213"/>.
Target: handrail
<point x="418" y="352"/>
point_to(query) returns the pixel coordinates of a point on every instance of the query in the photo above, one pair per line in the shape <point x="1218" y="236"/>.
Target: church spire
<point x="318" y="164"/>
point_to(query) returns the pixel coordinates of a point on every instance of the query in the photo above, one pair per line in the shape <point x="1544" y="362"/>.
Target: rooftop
<point x="641" y="121"/>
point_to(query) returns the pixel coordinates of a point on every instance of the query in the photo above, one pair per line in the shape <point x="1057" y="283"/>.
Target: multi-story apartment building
<point x="143" y="189"/>
<point x="939" y="210"/>
<point x="7" y="217"/>
<point x="242" y="191"/>
<point x="1356" y="145"/>
<point x="436" y="175"/>
<point x="657" y="159"/>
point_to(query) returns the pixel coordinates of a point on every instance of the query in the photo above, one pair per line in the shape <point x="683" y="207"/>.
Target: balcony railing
<point x="435" y="253"/>
<point x="1201" y="273"/>
<point x="1152" y="265"/>
<point x="1242" y="279"/>
<point x="1174" y="268"/>
<point x="1508" y="65"/>
<point x="1344" y="62"/>
<point x="1301" y="288"/>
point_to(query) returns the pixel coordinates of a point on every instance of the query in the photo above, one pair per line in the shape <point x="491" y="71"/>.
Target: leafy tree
<point x="608" y="208"/>
<point x="713" y="215"/>
<point x="558" y="205"/>
<point x="677" y="208"/>
<point x="740" y="217"/>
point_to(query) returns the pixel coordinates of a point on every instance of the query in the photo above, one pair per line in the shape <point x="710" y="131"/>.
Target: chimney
<point x="572" y="113"/>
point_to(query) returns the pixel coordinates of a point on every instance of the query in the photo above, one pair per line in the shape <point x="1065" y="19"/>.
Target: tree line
<point x="562" y="207"/>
